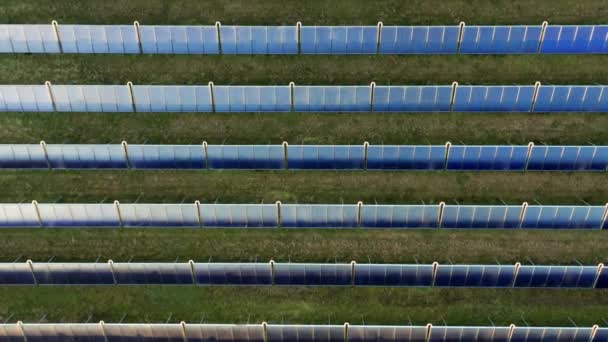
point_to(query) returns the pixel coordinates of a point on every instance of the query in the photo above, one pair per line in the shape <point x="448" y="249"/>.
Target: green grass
<point x="305" y="305"/>
<point x="346" y="12"/>
<point x="311" y="245"/>
<point x="334" y="70"/>
<point x="304" y="186"/>
<point x="303" y="128"/>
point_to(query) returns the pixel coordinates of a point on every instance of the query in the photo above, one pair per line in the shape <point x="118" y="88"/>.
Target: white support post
<point x="279" y="214"/>
<point x="528" y="155"/>
<point x="359" y="208"/>
<point x="184" y="335"/>
<point x="271" y="264"/>
<point x="441" y="211"/>
<point x="427" y="336"/>
<point x="125" y="148"/>
<point x="37" y="211"/>
<point x="55" y="26"/>
<point x="379" y="37"/>
<point x="299" y="33"/>
<point x="138" y="36"/>
<point x="605" y="217"/>
<point x="285" y="155"/>
<point x="353" y="265"/>
<point x="517" y="267"/>
<point x="102" y="324"/>
<point x="111" y="264"/>
<point x="346" y="325"/>
<point x="542" y="36"/>
<point x="206" y="154"/>
<point x="448" y="146"/>
<point x="265" y="331"/>
<point x="594" y="331"/>
<point x="535" y="96"/>
<point x="372" y="94"/>
<point x="292" y="87"/>
<point x="30" y="264"/>
<point x="46" y="154"/>
<point x="51" y="95"/>
<point x="435" y="265"/>
<point x="132" y="96"/>
<point x="218" y="30"/>
<point x="461" y="27"/>
<point x="118" y="213"/>
<point x="20" y="325"/>
<point x="365" y="154"/>
<point x="197" y="207"/>
<point x="511" y="330"/>
<point x="192" y="272"/>
<point x="212" y="96"/>
<point x="453" y="97"/>
<point x="524" y="209"/>
<point x="600" y="267"/>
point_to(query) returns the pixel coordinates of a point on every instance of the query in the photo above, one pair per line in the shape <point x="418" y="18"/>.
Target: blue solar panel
<point x="500" y="39"/>
<point x="325" y="157"/>
<point x="591" y="158"/>
<point x="339" y="39"/>
<point x="18" y="215"/>
<point x="259" y="40"/>
<point x="571" y="99"/>
<point x="493" y="98"/>
<point x="86" y="156"/>
<point x="400" y="216"/>
<point x="602" y="281"/>
<point x="252" y="98"/>
<point x="233" y="274"/>
<point x="534" y="334"/>
<point x="318" y="216"/>
<point x="143" y="332"/>
<point x="564" y="217"/>
<point x="76" y="38"/>
<point x="332" y="98"/>
<point x="419" y="39"/>
<point x="414" y="157"/>
<point x="412" y="98"/>
<point x="393" y="275"/>
<point x="305" y="333"/>
<point x="22" y="157"/>
<point x="25" y="98"/>
<point x="121" y="39"/>
<point x="166" y="156"/>
<point x="47" y="332"/>
<point x="16" y="274"/>
<point x="159" y="215"/>
<point x="312" y="274"/>
<point x="78" y="215"/>
<point x="481" y="216"/>
<point x="172" y="98"/>
<point x="239" y="215"/>
<point x="224" y="333"/>
<point x="245" y="157"/>
<point x="386" y="333"/>
<point x="73" y="274"/>
<point x="575" y="39"/>
<point x="202" y="40"/>
<point x="462" y="157"/>
<point x="92" y="98"/>
<point x="152" y="273"/>
<point x="556" y="276"/>
<point x="475" y="275"/>
<point x="28" y="39"/>
<point x="472" y="334"/>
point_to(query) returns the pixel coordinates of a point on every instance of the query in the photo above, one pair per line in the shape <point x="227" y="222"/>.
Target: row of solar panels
<point x="299" y="157"/>
<point x="186" y="332"/>
<point x="211" y="98"/>
<point x="352" y="274"/>
<point x="302" y="216"/>
<point x="296" y="39"/>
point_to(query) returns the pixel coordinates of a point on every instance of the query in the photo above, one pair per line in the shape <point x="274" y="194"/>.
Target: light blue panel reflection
<point x="121" y="38"/>
<point x="572" y="98"/>
<point x="239" y="215"/>
<point x="400" y="216"/>
<point x="18" y="215"/>
<point x="172" y="98"/>
<point x="320" y="39"/>
<point x="593" y="158"/>
<point x="419" y="39"/>
<point x="474" y="275"/>
<point x="412" y="98"/>
<point x="159" y="215"/>
<point x="86" y="156"/>
<point x="393" y="275"/>
<point x="256" y="99"/>
<point x="413" y="157"/>
<point x="28" y="39"/>
<point x="361" y="39"/>
<point x="331" y="98"/>
<point x="366" y="333"/>
<point x="6" y="44"/>
<point x="500" y="39"/>
<point x="318" y="216"/>
<point x="78" y="215"/>
<point x="166" y="156"/>
<point x="464" y="157"/>
<point x="76" y="38"/>
<point x="564" y="217"/>
<point x="245" y="157"/>
<point x="282" y="39"/>
<point x="202" y="39"/>
<point x="575" y="39"/>
<point x="477" y="334"/>
<point x="493" y="98"/>
<point x="244" y="40"/>
<point x="25" y="98"/>
<point x="92" y="98"/>
<point x="325" y="157"/>
<point x="481" y="216"/>
<point x="22" y="157"/>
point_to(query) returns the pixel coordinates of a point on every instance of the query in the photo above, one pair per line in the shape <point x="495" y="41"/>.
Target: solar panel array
<point x="198" y="215"/>
<point x="305" y="274"/>
<point x="307" y="157"/>
<point x="186" y="332"/>
<point x="380" y="39"/>
<point x="210" y="98"/>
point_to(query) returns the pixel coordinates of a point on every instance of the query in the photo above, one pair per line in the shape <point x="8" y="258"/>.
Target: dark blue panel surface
<point x="233" y="274"/>
<point x="481" y="216"/>
<point x="493" y="98"/>
<point x="73" y="274"/>
<point x="462" y="157"/>
<point x="385" y="333"/>
<point x="245" y="157"/>
<point x="472" y="334"/>
<point x="412" y="98"/>
<point x="22" y="157"/>
<point x="224" y="333"/>
<point x="166" y="156"/>
<point x="159" y="215"/>
<point x="332" y="98"/>
<point x="393" y="275"/>
<point x="325" y="157"/>
<point x="475" y="275"/>
<point x="86" y="156"/>
<point x="500" y="39"/>
<point x="414" y="157"/>
<point x="239" y="215"/>
<point x="400" y="216"/>
<point x="312" y="274"/>
<point x="602" y="280"/>
<point x="419" y="39"/>
<point x="150" y="273"/>
<point x="305" y="333"/>
<point x="575" y="39"/>
<point x="318" y="216"/>
<point x="556" y="276"/>
<point x="593" y="158"/>
<point x="16" y="274"/>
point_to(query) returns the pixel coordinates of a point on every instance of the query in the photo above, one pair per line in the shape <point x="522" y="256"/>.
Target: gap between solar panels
<point x="264" y="332"/>
<point x="535" y="98"/>
<point x="298" y="39"/>
<point x="279" y="215"/>
<point x="305" y="274"/>
<point x="446" y="157"/>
